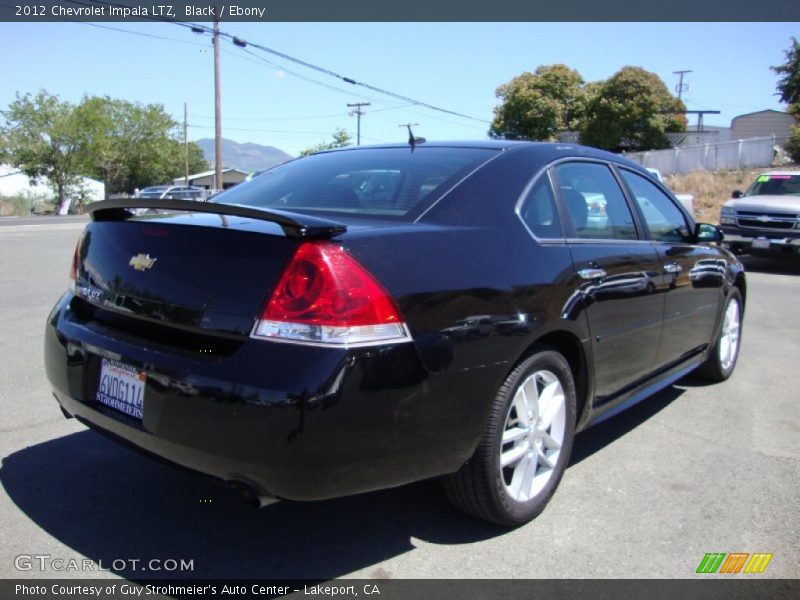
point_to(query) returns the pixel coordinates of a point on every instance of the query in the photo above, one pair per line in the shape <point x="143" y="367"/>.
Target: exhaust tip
<point x="253" y="496"/>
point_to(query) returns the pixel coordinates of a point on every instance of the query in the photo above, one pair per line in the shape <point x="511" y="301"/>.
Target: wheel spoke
<point x="509" y="457"/>
<point x="521" y="406"/>
<point x="543" y="459"/>
<point x="532" y="397"/>
<point x="724" y="350"/>
<point x="549" y="442"/>
<point x="515" y="433"/>
<point x="551" y="401"/>
<point x="525" y="472"/>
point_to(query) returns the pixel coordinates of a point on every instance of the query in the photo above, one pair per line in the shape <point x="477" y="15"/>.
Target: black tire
<point x="715" y="368"/>
<point x="480" y="486"/>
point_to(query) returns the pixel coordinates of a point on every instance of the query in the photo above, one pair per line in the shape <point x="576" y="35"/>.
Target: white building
<point x="763" y="123"/>
<point x="230" y="177"/>
<point x="14" y="182"/>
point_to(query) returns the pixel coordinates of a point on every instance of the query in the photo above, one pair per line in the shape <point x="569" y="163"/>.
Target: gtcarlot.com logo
<point x="47" y="562"/>
<point x="735" y="562"/>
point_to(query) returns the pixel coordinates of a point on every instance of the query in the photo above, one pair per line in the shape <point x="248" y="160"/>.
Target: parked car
<point x="178" y="192"/>
<point x="765" y="220"/>
<point x="309" y="345"/>
<point x="686" y="199"/>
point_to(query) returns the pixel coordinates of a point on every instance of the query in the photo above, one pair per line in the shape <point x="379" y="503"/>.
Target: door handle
<point x="673" y="268"/>
<point x="591" y="273"/>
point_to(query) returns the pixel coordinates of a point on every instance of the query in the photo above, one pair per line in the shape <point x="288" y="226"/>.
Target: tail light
<point x="324" y="296"/>
<point x="73" y="269"/>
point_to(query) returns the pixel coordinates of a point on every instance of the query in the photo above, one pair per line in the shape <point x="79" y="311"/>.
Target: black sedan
<point x="304" y="334"/>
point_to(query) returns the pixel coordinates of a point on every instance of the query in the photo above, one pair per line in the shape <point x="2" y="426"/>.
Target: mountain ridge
<point x="247" y="156"/>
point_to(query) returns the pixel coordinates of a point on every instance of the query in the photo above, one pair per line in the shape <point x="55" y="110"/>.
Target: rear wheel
<point x="525" y="447"/>
<point x="722" y="358"/>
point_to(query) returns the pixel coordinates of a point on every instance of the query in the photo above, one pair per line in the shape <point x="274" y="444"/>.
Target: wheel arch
<point x="741" y="284"/>
<point x="570" y="347"/>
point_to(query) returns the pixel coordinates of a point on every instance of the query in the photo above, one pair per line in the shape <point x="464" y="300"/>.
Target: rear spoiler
<point x="293" y="224"/>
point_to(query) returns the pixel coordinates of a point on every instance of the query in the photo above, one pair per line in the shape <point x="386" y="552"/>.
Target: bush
<point x="793" y="144"/>
<point x="22" y="206"/>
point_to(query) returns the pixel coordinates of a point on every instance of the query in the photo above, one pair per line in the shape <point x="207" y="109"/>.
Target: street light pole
<point x="217" y="111"/>
<point x="185" y="144"/>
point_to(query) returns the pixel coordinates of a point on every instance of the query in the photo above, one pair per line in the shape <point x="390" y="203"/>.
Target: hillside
<point x="245" y="157"/>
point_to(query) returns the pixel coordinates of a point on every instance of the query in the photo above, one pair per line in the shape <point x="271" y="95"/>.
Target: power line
<point x="303" y="77"/>
<point x="148" y="35"/>
<point x="307" y="118"/>
<point x="198" y="28"/>
<point x="365" y="85"/>
<point x="262" y="130"/>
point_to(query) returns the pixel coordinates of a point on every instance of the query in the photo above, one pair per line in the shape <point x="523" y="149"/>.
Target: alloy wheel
<point x="729" y="336"/>
<point x="533" y="435"/>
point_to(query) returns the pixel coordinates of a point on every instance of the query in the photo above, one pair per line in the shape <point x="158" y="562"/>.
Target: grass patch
<point x="22" y="206"/>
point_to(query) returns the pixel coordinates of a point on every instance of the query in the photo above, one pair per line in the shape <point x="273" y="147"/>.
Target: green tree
<point x="43" y="137"/>
<point x="538" y="105"/>
<point x="789" y="91"/>
<point x="133" y="145"/>
<point x="789" y="82"/>
<point x="632" y="109"/>
<point x="340" y="139"/>
<point x="793" y="144"/>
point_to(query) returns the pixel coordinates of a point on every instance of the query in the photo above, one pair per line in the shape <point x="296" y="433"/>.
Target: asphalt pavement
<point x="695" y="469"/>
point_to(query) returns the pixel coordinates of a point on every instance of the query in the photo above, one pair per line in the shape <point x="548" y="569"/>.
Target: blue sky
<point x="456" y="66"/>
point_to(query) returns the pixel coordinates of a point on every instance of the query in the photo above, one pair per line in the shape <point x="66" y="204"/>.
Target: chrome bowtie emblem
<point x="764" y="219"/>
<point x="142" y="262"/>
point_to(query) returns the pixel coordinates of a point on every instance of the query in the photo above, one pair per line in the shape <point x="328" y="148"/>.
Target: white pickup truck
<point x="686" y="199"/>
<point x="766" y="218"/>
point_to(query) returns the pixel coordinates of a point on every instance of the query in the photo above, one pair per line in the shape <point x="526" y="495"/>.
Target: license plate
<point x="761" y="244"/>
<point x="121" y="387"/>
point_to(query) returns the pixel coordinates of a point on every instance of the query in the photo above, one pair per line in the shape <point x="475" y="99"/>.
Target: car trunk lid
<point x="195" y="271"/>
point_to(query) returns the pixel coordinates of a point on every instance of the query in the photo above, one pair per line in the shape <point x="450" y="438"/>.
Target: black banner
<point x="712" y="588"/>
<point x="409" y="10"/>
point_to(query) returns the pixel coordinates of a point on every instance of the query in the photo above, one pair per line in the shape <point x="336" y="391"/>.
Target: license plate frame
<point x="121" y="386"/>
<point x="760" y="244"/>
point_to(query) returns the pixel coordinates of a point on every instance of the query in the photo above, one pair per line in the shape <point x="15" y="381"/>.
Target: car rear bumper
<point x="288" y="421"/>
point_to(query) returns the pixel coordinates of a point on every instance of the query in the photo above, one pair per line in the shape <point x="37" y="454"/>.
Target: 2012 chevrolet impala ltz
<point x="368" y="317"/>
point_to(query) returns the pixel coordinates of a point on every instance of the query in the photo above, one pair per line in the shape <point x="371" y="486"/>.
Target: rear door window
<point x="665" y="221"/>
<point x="594" y="201"/>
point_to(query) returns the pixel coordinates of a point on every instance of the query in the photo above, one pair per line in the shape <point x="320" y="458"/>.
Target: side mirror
<point x="706" y="232"/>
<point x="736" y="194"/>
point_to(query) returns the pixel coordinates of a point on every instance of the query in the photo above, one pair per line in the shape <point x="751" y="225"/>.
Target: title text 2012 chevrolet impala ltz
<point x="369" y="317"/>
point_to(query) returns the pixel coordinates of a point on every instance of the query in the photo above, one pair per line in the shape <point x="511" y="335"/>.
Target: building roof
<point x="211" y="172"/>
<point x="761" y="112"/>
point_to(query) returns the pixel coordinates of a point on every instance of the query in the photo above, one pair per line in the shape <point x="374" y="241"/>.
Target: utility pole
<point x="185" y="144"/>
<point x="217" y="111"/>
<point x="680" y="88"/>
<point x="358" y="112"/>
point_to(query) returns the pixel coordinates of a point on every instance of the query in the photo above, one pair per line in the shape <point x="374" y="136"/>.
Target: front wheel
<point x="525" y="447"/>
<point x="723" y="355"/>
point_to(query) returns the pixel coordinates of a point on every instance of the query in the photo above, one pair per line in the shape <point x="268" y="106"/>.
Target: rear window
<point x="383" y="182"/>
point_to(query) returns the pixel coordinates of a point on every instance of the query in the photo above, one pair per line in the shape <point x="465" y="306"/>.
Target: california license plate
<point x="121" y="387"/>
<point x="761" y="244"/>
